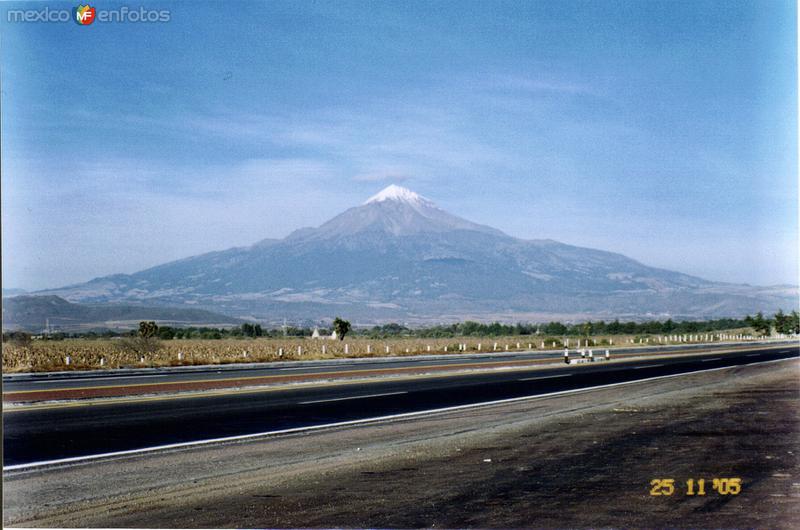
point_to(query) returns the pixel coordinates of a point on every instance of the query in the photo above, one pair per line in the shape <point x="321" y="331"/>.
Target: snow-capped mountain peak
<point x="397" y="193"/>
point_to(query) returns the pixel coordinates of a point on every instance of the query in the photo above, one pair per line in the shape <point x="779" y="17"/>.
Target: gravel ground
<point x="575" y="460"/>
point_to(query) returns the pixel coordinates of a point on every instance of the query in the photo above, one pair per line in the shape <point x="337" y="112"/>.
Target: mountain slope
<point x="400" y="256"/>
<point x="34" y="313"/>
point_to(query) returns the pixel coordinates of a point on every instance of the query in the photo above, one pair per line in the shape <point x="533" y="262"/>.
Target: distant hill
<point x="32" y="313"/>
<point x="400" y="257"/>
<point x="13" y="292"/>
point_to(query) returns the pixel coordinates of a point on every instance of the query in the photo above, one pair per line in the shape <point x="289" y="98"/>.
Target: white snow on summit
<point x="397" y="193"/>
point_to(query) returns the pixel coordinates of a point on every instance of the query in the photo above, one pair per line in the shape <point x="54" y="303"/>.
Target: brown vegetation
<point x="47" y="355"/>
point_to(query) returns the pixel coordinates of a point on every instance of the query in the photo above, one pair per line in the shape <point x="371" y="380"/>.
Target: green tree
<point x="252" y="330"/>
<point x="794" y="323"/>
<point x="782" y="324"/>
<point x="761" y="324"/>
<point x="555" y="328"/>
<point x="142" y="342"/>
<point x="166" y="333"/>
<point x="20" y="339"/>
<point x="148" y="329"/>
<point x="341" y="327"/>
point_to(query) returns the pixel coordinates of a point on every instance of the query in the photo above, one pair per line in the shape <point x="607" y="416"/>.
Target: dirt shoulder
<point x="576" y="460"/>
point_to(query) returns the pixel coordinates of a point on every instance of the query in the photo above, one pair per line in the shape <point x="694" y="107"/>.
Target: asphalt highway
<point x="30" y="382"/>
<point x="45" y="433"/>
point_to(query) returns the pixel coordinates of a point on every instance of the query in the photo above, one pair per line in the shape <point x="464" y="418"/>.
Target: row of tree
<point x="780" y="322"/>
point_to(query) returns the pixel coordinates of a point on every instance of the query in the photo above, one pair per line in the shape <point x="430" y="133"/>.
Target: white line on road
<point x="182" y="445"/>
<point x="754" y="355"/>
<point x="352" y="397"/>
<point x="548" y="377"/>
<point x="709" y="360"/>
<point x="648" y="366"/>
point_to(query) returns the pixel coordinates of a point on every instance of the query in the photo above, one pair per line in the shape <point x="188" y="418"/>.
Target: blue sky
<point x="665" y="131"/>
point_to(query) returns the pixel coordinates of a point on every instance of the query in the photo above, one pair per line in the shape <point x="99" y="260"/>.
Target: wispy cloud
<point x="544" y="83"/>
<point x="383" y="176"/>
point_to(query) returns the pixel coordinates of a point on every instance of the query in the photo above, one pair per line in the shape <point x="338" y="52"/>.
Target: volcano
<point x="398" y="256"/>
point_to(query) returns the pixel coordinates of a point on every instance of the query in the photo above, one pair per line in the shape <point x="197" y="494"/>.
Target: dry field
<point x="80" y="354"/>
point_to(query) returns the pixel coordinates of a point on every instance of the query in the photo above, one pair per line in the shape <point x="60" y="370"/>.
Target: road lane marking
<point x="648" y="366"/>
<point x="352" y="397"/>
<point x="709" y="360"/>
<point x="758" y="354"/>
<point x="182" y="445"/>
<point x="547" y="377"/>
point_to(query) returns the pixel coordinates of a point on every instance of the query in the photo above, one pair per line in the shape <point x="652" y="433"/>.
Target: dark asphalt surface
<point x="51" y="433"/>
<point x="125" y="377"/>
